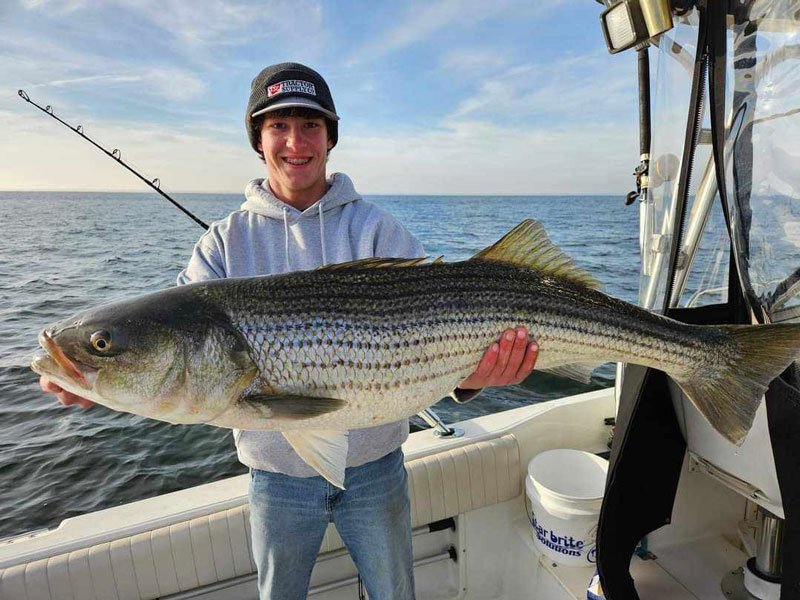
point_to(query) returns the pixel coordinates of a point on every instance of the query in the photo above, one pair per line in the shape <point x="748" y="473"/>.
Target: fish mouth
<point x="78" y="373"/>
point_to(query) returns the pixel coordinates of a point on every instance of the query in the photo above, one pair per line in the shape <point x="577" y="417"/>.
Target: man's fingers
<point x="482" y="374"/>
<point x="506" y="345"/>
<point x="68" y="399"/>
<point x="531" y="353"/>
<point x="489" y="360"/>
<point x="49" y="386"/>
<point x="516" y="356"/>
<point x="508" y="360"/>
<point x="63" y="396"/>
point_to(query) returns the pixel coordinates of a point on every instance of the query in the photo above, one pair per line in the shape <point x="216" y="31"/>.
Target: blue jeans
<point x="289" y="515"/>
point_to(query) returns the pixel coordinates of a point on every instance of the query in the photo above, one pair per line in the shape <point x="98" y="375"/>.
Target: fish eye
<point x="101" y="340"/>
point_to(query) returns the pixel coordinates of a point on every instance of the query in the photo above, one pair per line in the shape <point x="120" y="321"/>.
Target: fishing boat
<point x="685" y="513"/>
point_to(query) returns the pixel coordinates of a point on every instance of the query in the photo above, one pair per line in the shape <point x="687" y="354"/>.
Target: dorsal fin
<point x="377" y="263"/>
<point x="527" y="245"/>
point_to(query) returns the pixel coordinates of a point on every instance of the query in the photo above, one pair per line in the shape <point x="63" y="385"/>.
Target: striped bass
<point x="315" y="353"/>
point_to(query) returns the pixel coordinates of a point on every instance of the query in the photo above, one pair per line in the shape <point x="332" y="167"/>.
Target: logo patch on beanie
<point x="291" y="86"/>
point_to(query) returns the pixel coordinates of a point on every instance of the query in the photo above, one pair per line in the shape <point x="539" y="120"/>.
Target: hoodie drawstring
<point x="286" y="237"/>
<point x="322" y="234"/>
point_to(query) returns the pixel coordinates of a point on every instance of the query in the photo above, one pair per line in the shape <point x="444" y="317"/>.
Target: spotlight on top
<point x="628" y="23"/>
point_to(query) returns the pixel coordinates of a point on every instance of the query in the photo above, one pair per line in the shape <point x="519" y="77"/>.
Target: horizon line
<point x="520" y="195"/>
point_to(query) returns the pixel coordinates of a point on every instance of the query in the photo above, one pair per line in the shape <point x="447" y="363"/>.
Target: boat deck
<point x="195" y="543"/>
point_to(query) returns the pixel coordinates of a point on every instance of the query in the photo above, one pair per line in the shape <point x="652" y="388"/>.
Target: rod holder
<point x="440" y="429"/>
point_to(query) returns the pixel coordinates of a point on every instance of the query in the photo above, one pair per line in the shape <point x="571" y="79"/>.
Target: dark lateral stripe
<point x="422" y="359"/>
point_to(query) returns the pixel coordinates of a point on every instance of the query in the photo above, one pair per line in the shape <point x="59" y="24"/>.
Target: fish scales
<point x="391" y="337"/>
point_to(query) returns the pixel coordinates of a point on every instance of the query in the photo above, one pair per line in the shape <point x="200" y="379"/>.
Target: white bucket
<point x="565" y="488"/>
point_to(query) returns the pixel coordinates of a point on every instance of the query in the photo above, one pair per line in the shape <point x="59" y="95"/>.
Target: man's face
<point x="295" y="150"/>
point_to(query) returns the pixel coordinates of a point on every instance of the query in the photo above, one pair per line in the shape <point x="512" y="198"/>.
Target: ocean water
<point x="62" y="252"/>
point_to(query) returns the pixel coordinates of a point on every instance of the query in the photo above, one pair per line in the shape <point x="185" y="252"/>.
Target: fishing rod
<point x="114" y="154"/>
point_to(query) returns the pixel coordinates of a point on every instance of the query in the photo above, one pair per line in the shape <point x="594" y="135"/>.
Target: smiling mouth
<point x="296" y="161"/>
<point x="72" y="370"/>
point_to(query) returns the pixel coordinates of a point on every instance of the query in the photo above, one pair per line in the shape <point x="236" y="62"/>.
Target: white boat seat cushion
<point x="216" y="547"/>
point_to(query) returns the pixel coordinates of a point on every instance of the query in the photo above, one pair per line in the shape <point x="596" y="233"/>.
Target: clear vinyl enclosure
<point x="762" y="155"/>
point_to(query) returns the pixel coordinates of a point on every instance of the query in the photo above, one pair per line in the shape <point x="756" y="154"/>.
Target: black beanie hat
<point x="288" y="85"/>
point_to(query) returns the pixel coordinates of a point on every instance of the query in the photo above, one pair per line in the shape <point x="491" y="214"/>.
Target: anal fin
<point x="578" y="371"/>
<point x="324" y="450"/>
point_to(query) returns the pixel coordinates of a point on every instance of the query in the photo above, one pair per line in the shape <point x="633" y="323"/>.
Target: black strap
<point x="783" y="404"/>
<point x="644" y="469"/>
<point x="718" y="47"/>
<point x="694" y="123"/>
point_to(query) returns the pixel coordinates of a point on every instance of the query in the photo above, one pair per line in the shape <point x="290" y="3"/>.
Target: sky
<point x="452" y="97"/>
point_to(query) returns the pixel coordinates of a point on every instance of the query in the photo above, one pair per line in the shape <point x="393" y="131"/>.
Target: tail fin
<point x="730" y="396"/>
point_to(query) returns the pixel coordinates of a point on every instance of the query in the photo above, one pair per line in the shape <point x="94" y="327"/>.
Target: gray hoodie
<point x="268" y="237"/>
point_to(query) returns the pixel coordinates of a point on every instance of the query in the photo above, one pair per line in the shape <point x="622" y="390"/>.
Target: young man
<point x="300" y="219"/>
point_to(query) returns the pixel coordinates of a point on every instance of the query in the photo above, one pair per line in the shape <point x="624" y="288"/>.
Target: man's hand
<point x="66" y="398"/>
<point x="505" y="362"/>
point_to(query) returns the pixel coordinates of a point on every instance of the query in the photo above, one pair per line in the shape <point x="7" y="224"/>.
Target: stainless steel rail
<point x="430" y="528"/>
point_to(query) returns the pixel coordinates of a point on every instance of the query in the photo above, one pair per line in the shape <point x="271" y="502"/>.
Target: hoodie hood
<point x="261" y="200"/>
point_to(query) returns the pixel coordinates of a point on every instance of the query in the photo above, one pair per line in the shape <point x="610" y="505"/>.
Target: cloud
<point x="423" y="19"/>
<point x="174" y="84"/>
<point x="469" y="157"/>
<point x="473" y="62"/>
<point x="198" y="33"/>
<point x="507" y="93"/>
<point x="479" y="157"/>
<point x="33" y="62"/>
<point x="39" y="155"/>
<point x="419" y="23"/>
<point x="170" y="83"/>
<point x="586" y="85"/>
<point x="61" y="7"/>
<point x="90" y="79"/>
<point x="208" y="22"/>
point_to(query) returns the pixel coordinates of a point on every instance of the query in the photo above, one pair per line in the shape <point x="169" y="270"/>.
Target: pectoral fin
<point x="324" y="450"/>
<point x="292" y="407"/>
